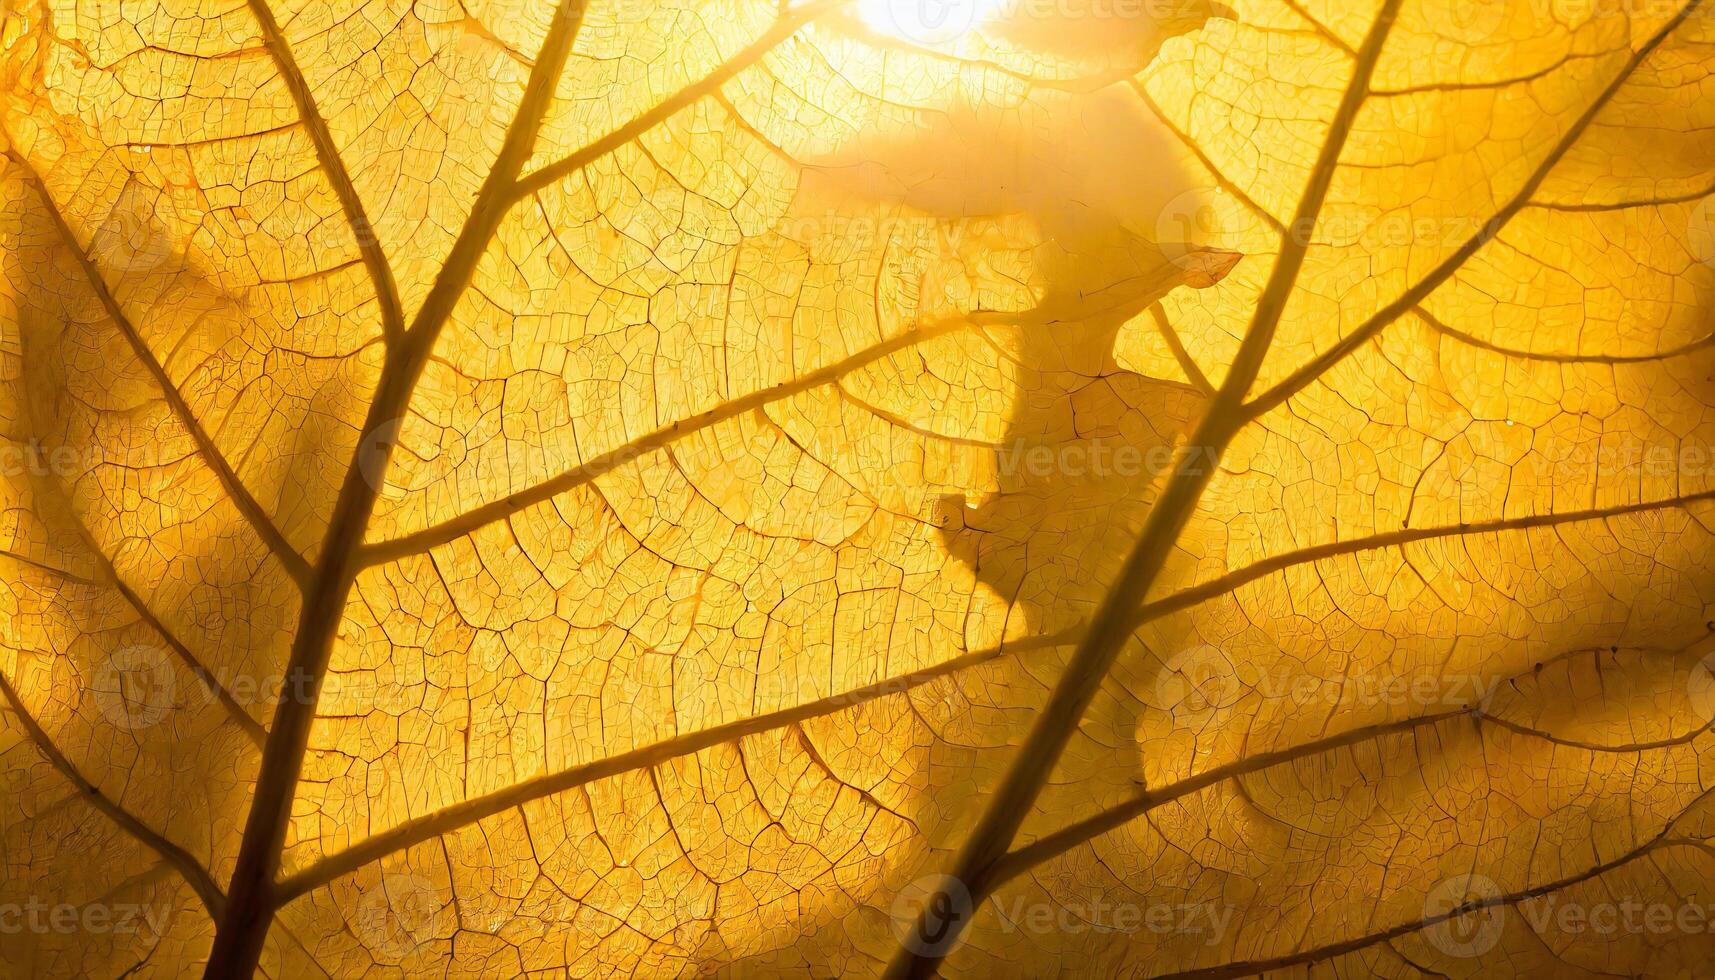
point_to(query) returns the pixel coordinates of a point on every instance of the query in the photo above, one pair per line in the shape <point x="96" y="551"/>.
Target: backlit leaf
<point x="856" y="488"/>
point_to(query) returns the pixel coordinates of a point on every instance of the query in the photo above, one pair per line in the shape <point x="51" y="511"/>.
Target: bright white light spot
<point x="926" y="22"/>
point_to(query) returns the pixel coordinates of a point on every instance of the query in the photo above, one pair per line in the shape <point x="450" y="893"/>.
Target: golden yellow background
<point x="700" y="606"/>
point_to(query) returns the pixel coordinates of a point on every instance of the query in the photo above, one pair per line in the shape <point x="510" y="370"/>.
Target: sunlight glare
<point x="926" y="22"/>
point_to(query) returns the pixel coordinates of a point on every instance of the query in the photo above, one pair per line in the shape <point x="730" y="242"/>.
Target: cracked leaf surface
<point x="524" y="487"/>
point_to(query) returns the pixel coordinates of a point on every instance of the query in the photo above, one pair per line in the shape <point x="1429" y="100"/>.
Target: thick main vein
<point x="244" y="927"/>
<point x="1089" y="665"/>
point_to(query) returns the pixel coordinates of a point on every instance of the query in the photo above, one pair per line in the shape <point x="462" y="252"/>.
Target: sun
<point x="926" y="22"/>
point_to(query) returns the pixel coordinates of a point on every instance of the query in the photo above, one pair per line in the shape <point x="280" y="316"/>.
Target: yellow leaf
<point x="856" y="488"/>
